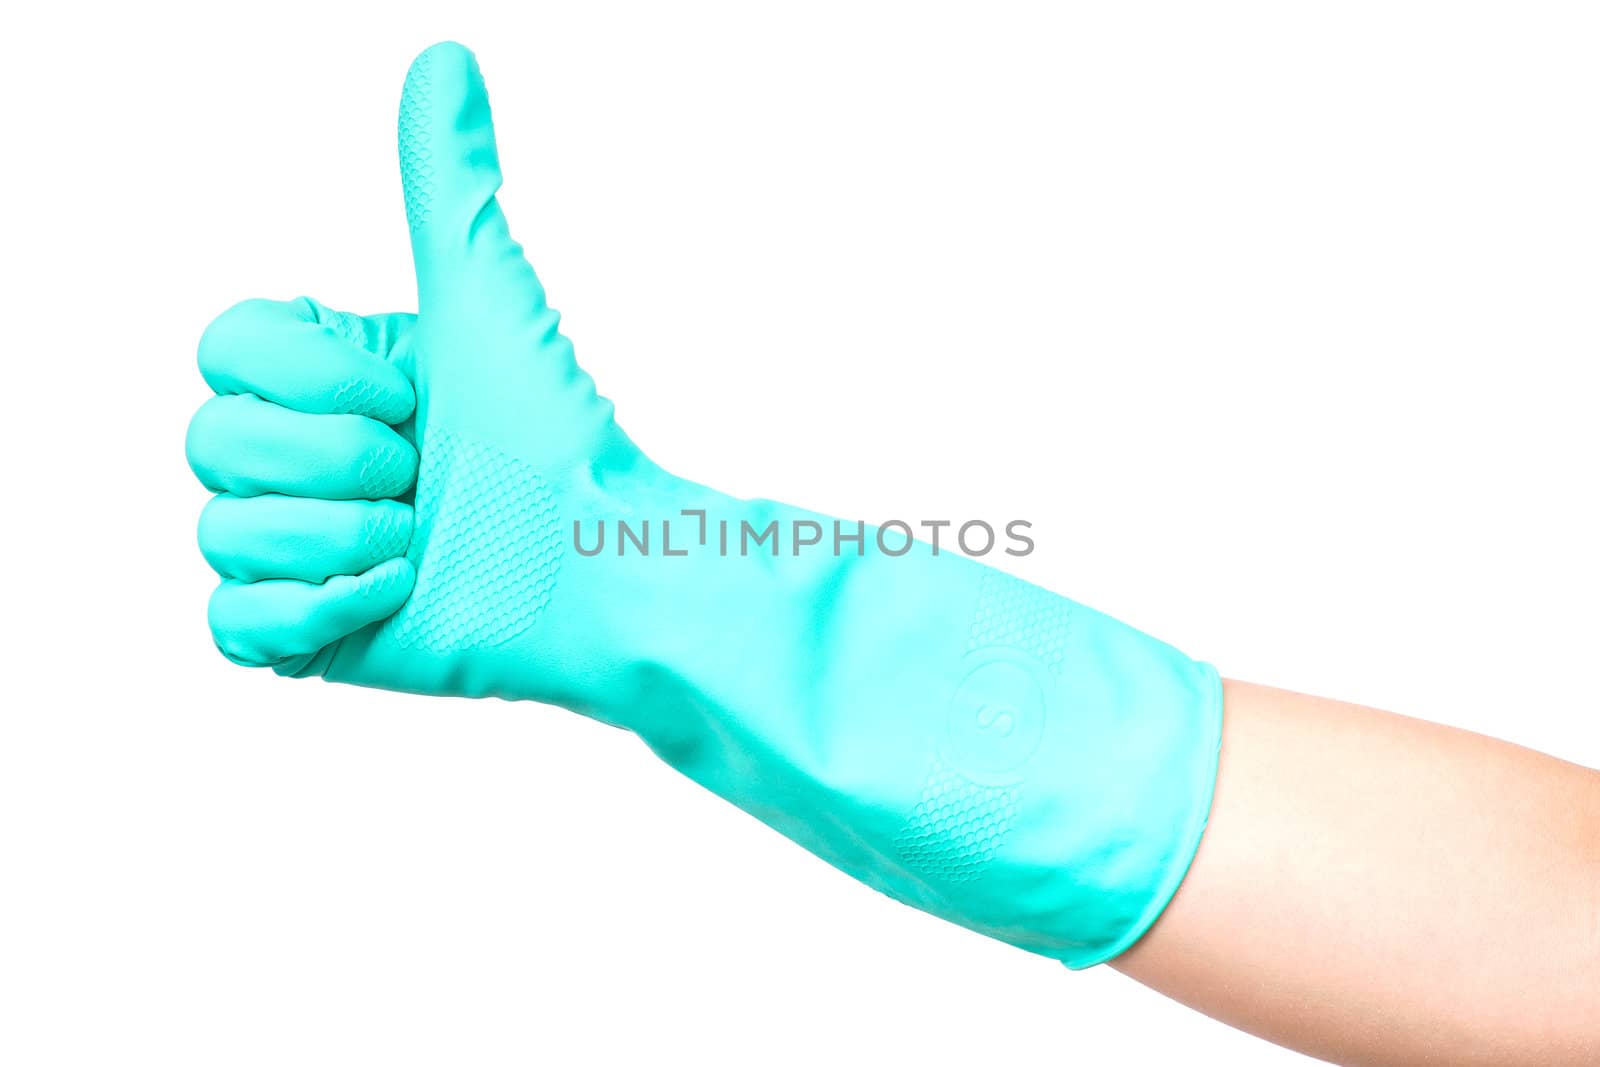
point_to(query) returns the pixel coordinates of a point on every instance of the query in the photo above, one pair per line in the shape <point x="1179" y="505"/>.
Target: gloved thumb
<point x="466" y="261"/>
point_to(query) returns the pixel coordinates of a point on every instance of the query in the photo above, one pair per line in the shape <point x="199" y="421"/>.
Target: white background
<point x="1279" y="321"/>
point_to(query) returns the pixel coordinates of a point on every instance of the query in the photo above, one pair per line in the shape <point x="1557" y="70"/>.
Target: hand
<point x="963" y="741"/>
<point x="331" y="564"/>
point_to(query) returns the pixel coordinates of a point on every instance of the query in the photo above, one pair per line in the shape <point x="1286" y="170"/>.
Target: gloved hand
<point x="959" y="739"/>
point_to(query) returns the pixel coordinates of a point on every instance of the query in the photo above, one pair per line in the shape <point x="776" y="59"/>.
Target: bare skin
<point x="1378" y="890"/>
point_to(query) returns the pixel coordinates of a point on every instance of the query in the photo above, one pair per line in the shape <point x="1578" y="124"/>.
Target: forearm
<point x="1374" y="889"/>
<point x="945" y="732"/>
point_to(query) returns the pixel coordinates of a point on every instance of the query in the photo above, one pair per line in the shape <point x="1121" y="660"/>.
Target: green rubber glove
<point x="959" y="739"/>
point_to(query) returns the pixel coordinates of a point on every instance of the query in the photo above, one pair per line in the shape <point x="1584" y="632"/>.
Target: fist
<point x="392" y="489"/>
<point x="308" y="446"/>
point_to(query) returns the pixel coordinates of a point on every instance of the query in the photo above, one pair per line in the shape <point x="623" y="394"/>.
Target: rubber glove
<point x="413" y="503"/>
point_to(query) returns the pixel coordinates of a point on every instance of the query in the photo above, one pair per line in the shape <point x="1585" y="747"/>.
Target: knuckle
<point x="212" y="426"/>
<point x="218" y="534"/>
<point x="220" y="339"/>
<point x="200" y="440"/>
<point x="212" y="530"/>
<point x="236" y="642"/>
<point x="247" y="634"/>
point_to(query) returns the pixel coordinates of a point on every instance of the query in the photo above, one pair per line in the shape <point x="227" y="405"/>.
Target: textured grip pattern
<point x="416" y="142"/>
<point x="1015" y="614"/>
<point x="386" y="534"/>
<point x="347" y="325"/>
<point x="958" y="824"/>
<point x="362" y="396"/>
<point x="487" y="547"/>
<point x="380" y="582"/>
<point x="386" y="472"/>
<point x="956" y="827"/>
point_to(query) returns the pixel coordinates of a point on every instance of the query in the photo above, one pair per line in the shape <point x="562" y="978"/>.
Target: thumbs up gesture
<point x="387" y="485"/>
<point x="398" y="500"/>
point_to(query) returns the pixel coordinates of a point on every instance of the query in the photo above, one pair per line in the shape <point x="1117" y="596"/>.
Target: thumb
<point x="466" y="261"/>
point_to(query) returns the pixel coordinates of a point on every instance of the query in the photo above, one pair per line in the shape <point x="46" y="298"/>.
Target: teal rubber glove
<point x="959" y="739"/>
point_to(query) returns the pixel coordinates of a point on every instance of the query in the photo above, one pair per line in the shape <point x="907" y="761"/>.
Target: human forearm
<point x="1375" y="889"/>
